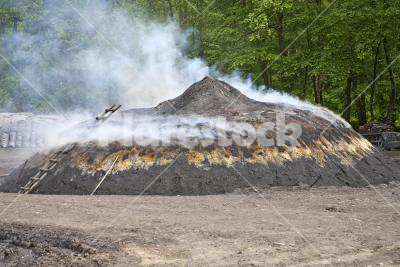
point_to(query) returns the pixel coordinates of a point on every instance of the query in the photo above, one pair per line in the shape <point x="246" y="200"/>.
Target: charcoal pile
<point x="375" y="127"/>
<point x="324" y="155"/>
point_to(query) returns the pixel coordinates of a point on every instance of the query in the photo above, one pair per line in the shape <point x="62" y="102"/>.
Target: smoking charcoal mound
<point x="319" y="160"/>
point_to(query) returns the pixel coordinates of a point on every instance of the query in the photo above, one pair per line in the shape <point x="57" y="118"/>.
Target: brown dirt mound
<point x="26" y="245"/>
<point x="208" y="170"/>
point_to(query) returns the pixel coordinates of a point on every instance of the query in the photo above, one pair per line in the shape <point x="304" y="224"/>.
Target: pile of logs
<point x="19" y="130"/>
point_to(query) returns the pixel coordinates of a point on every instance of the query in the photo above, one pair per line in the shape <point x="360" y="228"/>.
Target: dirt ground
<point x="349" y="227"/>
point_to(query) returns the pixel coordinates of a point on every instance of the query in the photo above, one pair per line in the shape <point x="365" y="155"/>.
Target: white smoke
<point x="149" y="67"/>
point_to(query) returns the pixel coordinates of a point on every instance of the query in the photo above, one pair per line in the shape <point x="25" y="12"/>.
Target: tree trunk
<point x="362" y="115"/>
<point x="361" y="109"/>
<point x="15" y="24"/>
<point x="171" y="10"/>
<point x="15" y="29"/>
<point x="347" y="98"/>
<point x="373" y="87"/>
<point x="306" y="76"/>
<point x="305" y="83"/>
<point x="201" y="33"/>
<point x="266" y="76"/>
<point x="281" y="35"/>
<point x="382" y="105"/>
<point x="391" y="111"/>
<point x="2" y="27"/>
<point x="317" y="89"/>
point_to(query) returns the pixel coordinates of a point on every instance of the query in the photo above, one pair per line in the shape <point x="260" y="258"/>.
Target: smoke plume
<point x="140" y="64"/>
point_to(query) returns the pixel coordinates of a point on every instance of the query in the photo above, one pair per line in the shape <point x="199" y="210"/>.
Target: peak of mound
<point x="212" y="97"/>
<point x="208" y="94"/>
<point x="209" y="88"/>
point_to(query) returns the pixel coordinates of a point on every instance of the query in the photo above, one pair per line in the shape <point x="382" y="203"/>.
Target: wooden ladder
<point x="106" y="114"/>
<point x="42" y="172"/>
<point x="56" y="157"/>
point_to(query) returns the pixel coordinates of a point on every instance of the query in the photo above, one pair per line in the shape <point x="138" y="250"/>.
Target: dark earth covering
<point x="319" y="161"/>
<point x="184" y="179"/>
<point x="22" y="245"/>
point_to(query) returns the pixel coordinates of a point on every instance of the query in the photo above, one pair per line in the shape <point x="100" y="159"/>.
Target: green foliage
<point x="342" y="45"/>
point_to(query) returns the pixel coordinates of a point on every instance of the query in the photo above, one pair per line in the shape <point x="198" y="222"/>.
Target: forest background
<point x="330" y="64"/>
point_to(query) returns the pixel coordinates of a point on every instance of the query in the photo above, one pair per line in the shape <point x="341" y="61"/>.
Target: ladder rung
<point x="41" y="175"/>
<point x="44" y="169"/>
<point x="37" y="175"/>
<point x="116" y="108"/>
<point x="113" y="106"/>
<point x="112" y="109"/>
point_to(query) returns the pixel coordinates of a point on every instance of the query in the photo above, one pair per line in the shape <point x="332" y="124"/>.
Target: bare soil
<point x="348" y="226"/>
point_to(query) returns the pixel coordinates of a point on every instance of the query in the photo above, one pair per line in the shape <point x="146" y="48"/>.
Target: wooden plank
<point x="104" y="177"/>
<point x="20" y="172"/>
